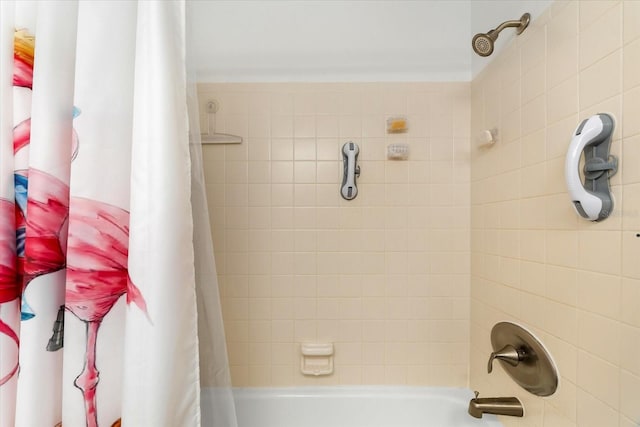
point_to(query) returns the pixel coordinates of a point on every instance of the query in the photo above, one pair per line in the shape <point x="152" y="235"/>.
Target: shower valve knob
<point x="508" y="354"/>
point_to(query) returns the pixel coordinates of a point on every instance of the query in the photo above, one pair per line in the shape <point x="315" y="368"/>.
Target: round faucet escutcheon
<point x="524" y="358"/>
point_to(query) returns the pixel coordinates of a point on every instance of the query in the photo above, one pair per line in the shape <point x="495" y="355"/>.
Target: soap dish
<point x="317" y="359"/>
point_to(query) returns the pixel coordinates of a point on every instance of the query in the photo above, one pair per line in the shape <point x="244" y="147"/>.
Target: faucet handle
<point x="509" y="354"/>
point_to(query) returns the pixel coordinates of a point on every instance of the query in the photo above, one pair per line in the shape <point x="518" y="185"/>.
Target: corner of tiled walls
<point x="385" y="276"/>
<point x="575" y="284"/>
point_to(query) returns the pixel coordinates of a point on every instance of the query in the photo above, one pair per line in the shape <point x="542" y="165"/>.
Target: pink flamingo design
<point x="11" y="267"/>
<point x="41" y="239"/>
<point x="97" y="277"/>
<point x="21" y="135"/>
<point x="9" y="286"/>
<point x="94" y="249"/>
<point x="46" y="222"/>
<point x="96" y="260"/>
<point x="23" y="56"/>
<point x="6" y="330"/>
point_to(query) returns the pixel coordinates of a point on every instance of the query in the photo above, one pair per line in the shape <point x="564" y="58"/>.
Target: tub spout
<point x="510" y="406"/>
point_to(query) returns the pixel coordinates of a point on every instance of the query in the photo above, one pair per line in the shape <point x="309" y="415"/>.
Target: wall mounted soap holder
<point x="317" y="359"/>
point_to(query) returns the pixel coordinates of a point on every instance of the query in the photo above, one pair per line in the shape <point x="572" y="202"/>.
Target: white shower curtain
<point x="98" y="313"/>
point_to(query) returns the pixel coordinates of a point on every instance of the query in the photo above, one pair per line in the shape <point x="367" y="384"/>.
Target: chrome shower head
<point x="483" y="43"/>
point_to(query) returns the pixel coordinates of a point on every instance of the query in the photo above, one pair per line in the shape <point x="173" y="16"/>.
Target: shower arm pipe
<point x="521" y="24"/>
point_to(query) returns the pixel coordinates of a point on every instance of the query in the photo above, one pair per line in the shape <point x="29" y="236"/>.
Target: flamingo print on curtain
<point x="97" y="291"/>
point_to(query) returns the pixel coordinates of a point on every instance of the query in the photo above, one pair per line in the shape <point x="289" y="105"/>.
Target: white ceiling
<point x="344" y="40"/>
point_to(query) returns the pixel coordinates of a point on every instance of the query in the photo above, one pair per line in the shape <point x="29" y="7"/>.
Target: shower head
<point x="483" y="43"/>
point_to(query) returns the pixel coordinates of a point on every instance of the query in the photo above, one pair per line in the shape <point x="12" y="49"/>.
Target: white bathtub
<point x="356" y="407"/>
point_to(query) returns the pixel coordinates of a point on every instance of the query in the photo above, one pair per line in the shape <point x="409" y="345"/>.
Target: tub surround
<point x="384" y="276"/>
<point x="575" y="283"/>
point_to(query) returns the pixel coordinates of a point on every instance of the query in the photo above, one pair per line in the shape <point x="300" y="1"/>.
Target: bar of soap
<point x="397" y="124"/>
